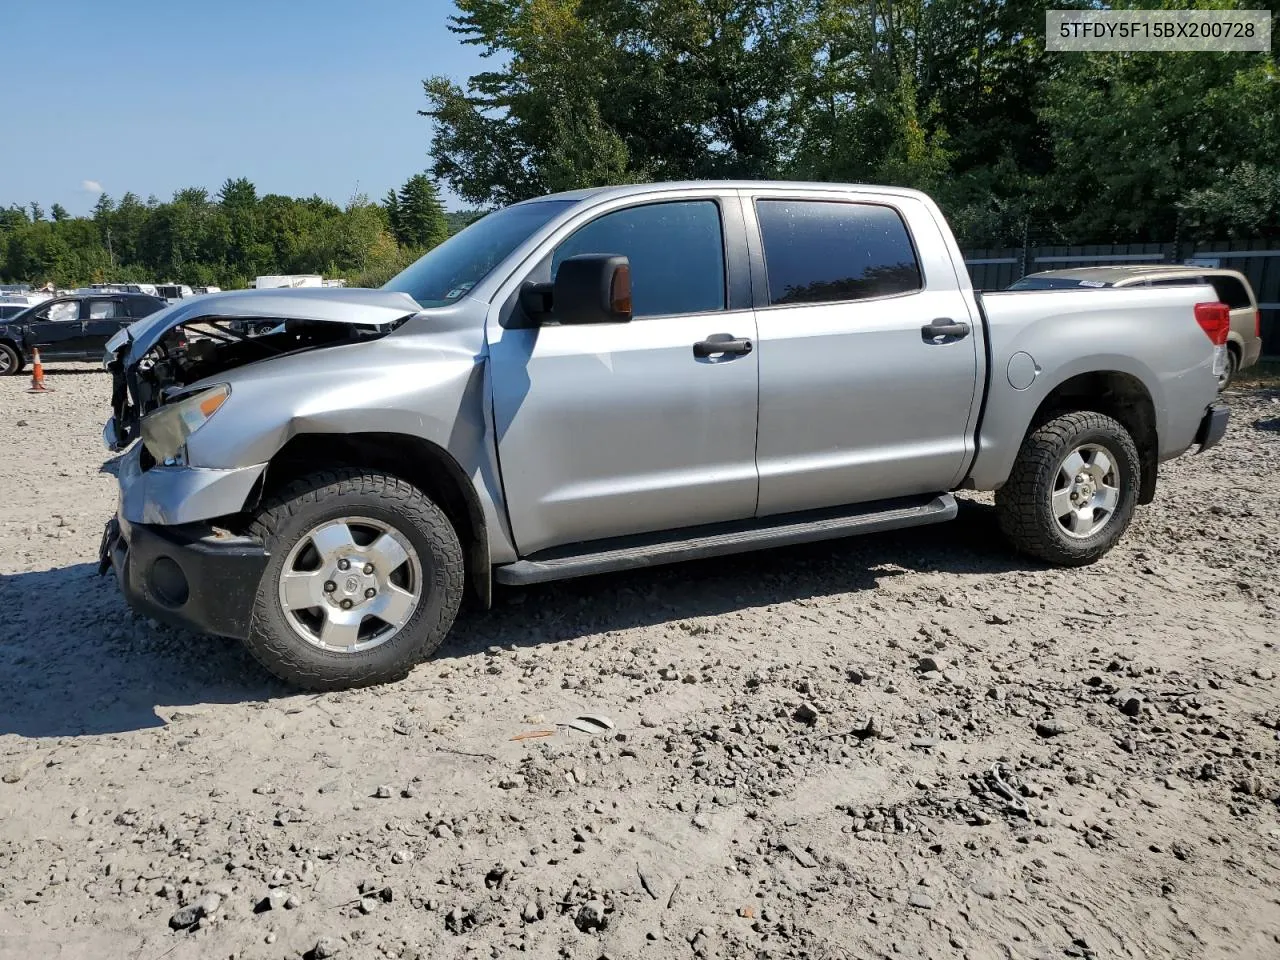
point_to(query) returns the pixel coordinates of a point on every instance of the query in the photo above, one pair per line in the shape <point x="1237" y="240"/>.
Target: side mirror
<point x="592" y="288"/>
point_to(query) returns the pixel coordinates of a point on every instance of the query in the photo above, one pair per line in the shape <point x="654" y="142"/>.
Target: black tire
<point x="332" y="495"/>
<point x="1233" y="367"/>
<point x="1024" y="505"/>
<point x="10" y="361"/>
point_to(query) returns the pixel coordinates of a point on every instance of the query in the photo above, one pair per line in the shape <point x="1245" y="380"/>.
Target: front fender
<point x="428" y="385"/>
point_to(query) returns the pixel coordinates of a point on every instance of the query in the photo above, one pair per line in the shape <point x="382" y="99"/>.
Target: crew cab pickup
<point x="616" y="377"/>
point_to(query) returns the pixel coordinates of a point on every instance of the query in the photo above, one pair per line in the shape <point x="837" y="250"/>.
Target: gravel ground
<point x="906" y="745"/>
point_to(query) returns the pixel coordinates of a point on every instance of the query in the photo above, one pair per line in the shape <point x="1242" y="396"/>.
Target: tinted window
<point x="144" y="306"/>
<point x="676" y="252"/>
<point x="105" y="309"/>
<point x="819" y="251"/>
<point x="1176" y="282"/>
<point x="1231" y="292"/>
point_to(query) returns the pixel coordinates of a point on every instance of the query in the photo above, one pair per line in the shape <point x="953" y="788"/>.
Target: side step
<point x="696" y="543"/>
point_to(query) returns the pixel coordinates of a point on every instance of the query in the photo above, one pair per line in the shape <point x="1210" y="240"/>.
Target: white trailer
<point x="289" y="280"/>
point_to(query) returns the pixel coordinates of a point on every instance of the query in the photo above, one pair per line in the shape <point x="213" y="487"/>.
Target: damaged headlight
<point x="165" y="431"/>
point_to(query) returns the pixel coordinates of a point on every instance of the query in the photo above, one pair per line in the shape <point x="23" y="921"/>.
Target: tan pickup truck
<point x="1244" y="342"/>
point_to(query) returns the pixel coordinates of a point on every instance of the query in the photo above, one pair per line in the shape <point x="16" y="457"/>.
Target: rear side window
<point x="1177" y="282"/>
<point x="676" y="252"/>
<point x="105" y="309"/>
<point x="1230" y="291"/>
<point x="819" y="251"/>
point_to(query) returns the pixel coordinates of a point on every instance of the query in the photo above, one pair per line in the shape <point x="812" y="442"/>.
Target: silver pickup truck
<point x="617" y="377"/>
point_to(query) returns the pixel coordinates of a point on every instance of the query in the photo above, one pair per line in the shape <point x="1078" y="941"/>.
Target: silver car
<point x="602" y="380"/>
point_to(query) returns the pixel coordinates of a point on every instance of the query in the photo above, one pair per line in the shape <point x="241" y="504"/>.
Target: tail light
<point x="1257" y="324"/>
<point x="1215" y="321"/>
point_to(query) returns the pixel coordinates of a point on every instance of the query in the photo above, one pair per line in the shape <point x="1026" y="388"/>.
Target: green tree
<point x="611" y="91"/>
<point x="419" y="219"/>
<point x="59" y="213"/>
<point x="1136" y="136"/>
<point x="392" y="204"/>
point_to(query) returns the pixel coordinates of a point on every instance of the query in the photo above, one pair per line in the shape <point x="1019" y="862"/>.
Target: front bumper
<point x="1213" y="426"/>
<point x="173" y="496"/>
<point x="190" y="576"/>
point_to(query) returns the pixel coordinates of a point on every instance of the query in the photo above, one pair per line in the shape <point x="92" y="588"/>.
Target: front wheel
<point x="1072" y="490"/>
<point x="364" y="580"/>
<point x="10" y="361"/>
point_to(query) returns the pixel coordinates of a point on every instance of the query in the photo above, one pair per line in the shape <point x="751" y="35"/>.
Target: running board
<point x="646" y="550"/>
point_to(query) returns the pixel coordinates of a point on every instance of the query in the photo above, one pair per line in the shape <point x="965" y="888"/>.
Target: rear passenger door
<point x="868" y="352"/>
<point x="106" y="315"/>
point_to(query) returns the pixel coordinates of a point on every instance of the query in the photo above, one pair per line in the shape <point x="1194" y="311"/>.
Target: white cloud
<point x="90" y="186"/>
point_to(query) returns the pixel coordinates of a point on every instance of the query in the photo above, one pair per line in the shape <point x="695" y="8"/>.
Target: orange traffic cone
<point x="37" y="374"/>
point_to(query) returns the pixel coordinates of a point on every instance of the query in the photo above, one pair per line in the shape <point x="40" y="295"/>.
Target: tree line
<point x="225" y="239"/>
<point x="956" y="97"/>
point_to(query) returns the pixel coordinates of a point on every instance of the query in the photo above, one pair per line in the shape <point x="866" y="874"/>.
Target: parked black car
<point x="70" y="328"/>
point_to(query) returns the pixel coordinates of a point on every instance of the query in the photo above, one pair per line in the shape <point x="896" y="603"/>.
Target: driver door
<point x="613" y="429"/>
<point x="56" y="330"/>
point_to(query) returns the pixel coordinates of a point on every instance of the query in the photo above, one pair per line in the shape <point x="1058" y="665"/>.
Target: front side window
<point x="61" y="312"/>
<point x="821" y="251"/>
<point x="676" y="251"/>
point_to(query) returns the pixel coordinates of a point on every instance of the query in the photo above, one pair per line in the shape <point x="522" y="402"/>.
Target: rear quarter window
<point x="825" y="251"/>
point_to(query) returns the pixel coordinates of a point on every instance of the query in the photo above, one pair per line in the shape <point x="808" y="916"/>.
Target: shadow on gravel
<point x="549" y="613"/>
<point x="75" y="663"/>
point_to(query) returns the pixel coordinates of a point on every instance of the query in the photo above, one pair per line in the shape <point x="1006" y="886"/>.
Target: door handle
<point x="944" y="330"/>
<point x="719" y="343"/>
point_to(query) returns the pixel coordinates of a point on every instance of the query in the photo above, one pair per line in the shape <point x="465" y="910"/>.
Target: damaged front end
<point x="157" y="360"/>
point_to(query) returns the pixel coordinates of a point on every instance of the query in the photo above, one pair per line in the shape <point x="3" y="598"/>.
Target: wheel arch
<point x="415" y="460"/>
<point x="1121" y="396"/>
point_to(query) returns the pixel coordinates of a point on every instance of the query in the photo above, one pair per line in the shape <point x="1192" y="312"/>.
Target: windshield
<point x="445" y="273"/>
<point x="1055" y="283"/>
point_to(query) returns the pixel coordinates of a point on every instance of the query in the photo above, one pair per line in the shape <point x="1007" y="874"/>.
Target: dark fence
<point x="1258" y="260"/>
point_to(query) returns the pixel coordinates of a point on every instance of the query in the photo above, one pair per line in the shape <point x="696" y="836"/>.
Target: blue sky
<point x="151" y="96"/>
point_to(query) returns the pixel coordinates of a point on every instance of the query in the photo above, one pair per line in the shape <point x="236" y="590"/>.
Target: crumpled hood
<point x="326" y="304"/>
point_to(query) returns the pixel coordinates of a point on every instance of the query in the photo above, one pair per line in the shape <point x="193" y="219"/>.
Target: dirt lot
<point x="907" y="745"/>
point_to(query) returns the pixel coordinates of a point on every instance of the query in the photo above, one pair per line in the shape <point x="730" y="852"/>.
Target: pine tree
<point x="420" y="219"/>
<point x="392" y="203"/>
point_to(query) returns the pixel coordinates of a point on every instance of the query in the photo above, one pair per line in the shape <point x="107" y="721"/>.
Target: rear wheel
<point x="364" y="580"/>
<point x="10" y="361"/>
<point x="1073" y="489"/>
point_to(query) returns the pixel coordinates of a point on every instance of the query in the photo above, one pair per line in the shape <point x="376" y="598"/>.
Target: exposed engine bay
<point x="207" y="346"/>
